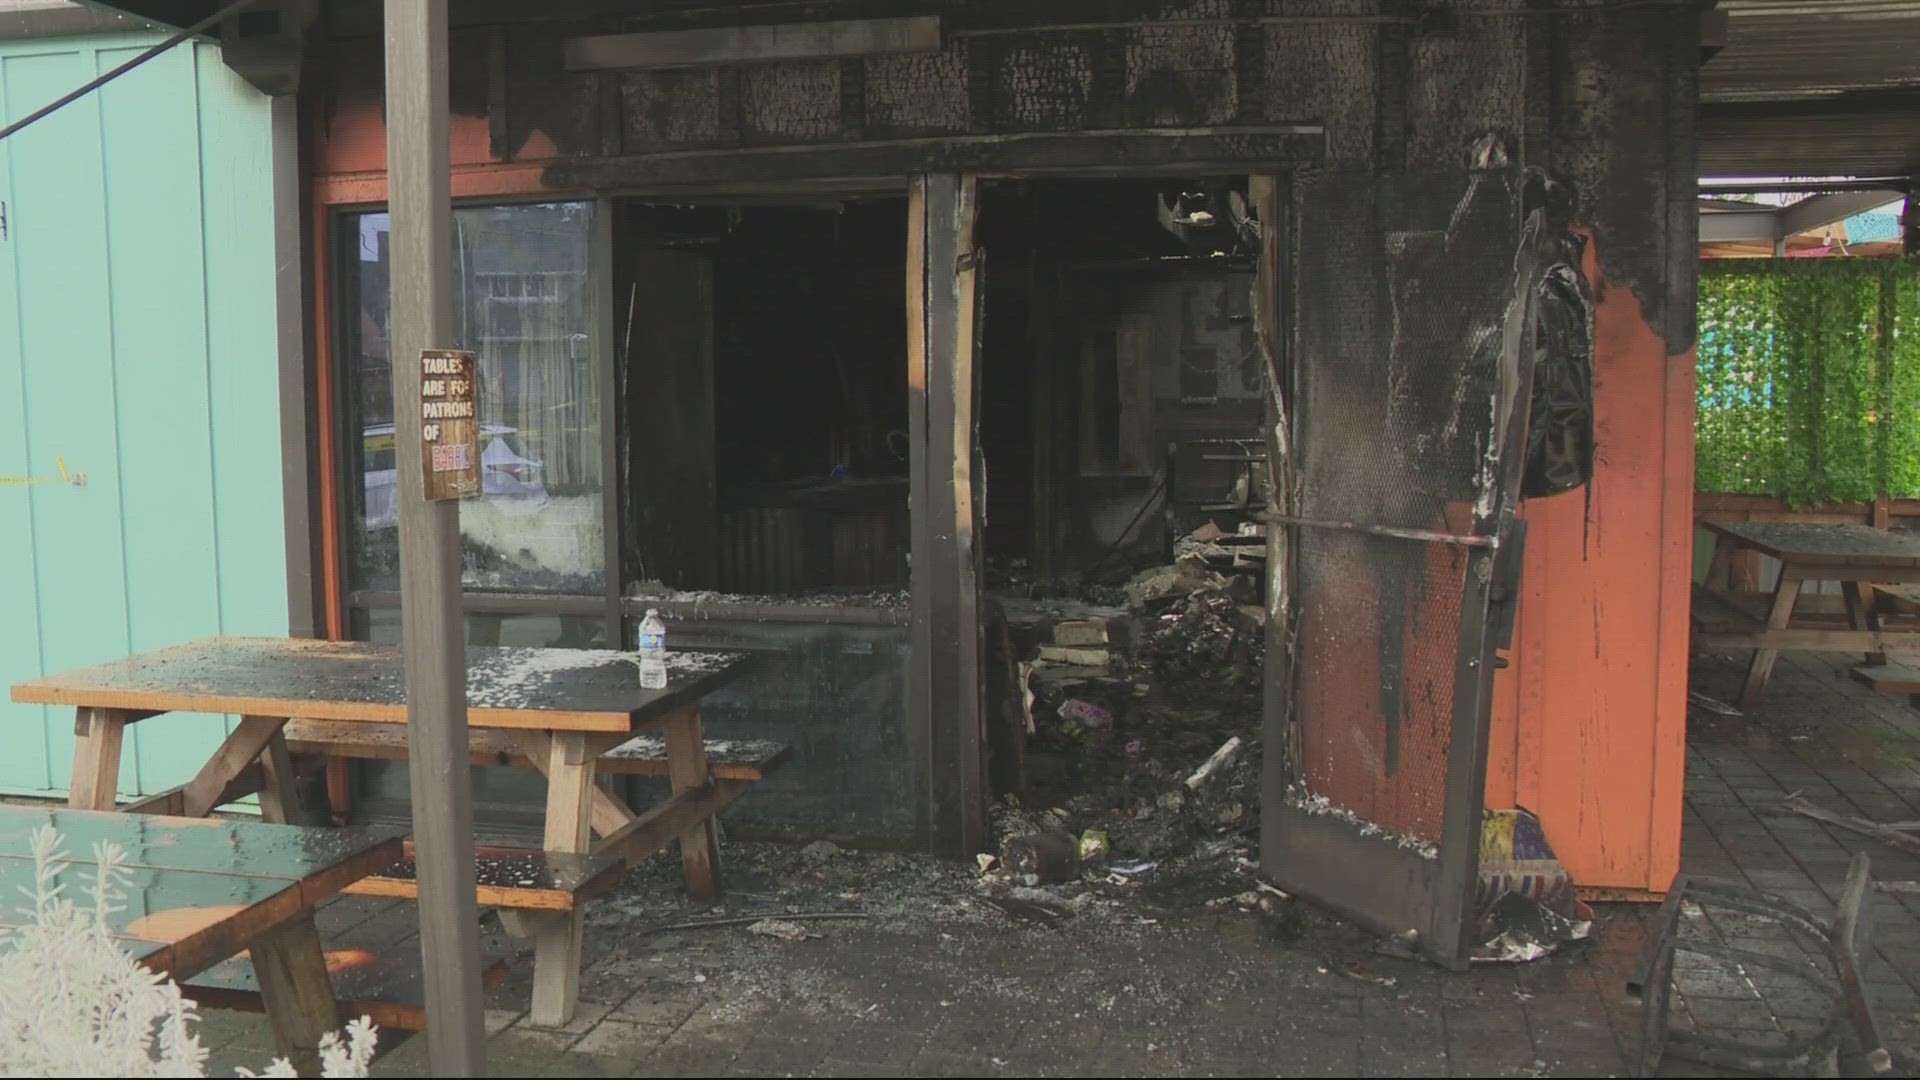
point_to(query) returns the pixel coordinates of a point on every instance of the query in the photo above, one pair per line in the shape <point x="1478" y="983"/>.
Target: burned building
<point x="803" y="321"/>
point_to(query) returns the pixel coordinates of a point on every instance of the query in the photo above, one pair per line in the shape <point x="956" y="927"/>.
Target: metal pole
<point x="433" y="631"/>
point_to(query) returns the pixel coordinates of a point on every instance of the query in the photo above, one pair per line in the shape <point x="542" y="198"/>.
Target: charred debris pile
<point x="1129" y="756"/>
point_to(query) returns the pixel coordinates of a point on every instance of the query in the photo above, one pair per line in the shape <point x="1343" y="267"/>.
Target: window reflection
<point x="522" y="303"/>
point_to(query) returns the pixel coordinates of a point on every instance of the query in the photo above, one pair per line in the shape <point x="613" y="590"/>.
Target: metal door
<point x="1405" y="411"/>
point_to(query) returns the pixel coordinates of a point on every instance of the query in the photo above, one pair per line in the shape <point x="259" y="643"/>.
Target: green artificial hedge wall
<point x="1809" y="379"/>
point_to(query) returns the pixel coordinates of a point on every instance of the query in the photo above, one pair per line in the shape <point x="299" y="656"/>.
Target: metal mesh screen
<point x="1395" y="407"/>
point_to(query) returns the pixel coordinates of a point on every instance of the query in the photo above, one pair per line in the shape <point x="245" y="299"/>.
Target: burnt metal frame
<point x="1371" y="879"/>
<point x="1845" y="939"/>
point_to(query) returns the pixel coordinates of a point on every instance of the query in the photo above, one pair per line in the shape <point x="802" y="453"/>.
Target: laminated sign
<point x="449" y="424"/>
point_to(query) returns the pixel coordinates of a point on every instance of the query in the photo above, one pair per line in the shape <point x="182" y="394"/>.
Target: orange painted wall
<point x="1589" y="724"/>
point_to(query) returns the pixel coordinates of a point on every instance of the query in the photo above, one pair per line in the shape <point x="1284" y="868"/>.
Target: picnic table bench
<point x="206" y="893"/>
<point x="569" y="714"/>
<point x="1862" y="559"/>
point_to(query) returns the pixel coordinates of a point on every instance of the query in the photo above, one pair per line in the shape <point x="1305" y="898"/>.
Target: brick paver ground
<point x="937" y="984"/>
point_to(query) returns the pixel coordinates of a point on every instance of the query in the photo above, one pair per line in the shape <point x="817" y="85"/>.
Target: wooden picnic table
<point x="1853" y="555"/>
<point x="562" y="708"/>
<point x="200" y="891"/>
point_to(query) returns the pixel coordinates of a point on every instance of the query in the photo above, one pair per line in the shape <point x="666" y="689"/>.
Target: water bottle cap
<point x="652" y="611"/>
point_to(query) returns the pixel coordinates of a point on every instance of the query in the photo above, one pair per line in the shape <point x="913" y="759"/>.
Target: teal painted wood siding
<point x="137" y="347"/>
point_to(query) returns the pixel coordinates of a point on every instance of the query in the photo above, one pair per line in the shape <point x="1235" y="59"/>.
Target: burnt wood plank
<point x="559" y="689"/>
<point x="945" y="568"/>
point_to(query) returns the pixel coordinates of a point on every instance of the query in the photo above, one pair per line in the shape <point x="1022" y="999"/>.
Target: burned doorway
<point x="1121" y="384"/>
<point x="1121" y="398"/>
<point x="765" y="448"/>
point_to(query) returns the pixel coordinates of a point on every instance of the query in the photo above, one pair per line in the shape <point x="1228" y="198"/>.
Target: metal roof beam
<point x="1812" y="213"/>
<point x="1761" y="224"/>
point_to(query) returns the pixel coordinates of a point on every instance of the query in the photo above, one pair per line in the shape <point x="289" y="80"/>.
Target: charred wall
<point x="1596" y="93"/>
<point x="1347" y="101"/>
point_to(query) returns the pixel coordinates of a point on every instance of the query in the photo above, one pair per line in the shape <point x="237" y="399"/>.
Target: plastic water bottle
<point x="653" y="651"/>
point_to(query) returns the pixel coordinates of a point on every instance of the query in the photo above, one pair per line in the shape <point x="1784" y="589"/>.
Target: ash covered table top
<point x="551" y="689"/>
<point x="1857" y="545"/>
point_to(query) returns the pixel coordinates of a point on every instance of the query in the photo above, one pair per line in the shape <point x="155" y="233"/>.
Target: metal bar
<point x="69" y="98"/>
<point x="1893" y="185"/>
<point x="1829" y="207"/>
<point x="1665" y="924"/>
<point x="607" y="367"/>
<point x="1381" y="530"/>
<point x="433" y="630"/>
<point x="1852" y="923"/>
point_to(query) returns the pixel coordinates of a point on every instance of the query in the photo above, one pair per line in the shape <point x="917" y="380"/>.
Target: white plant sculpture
<point x="73" y="1004"/>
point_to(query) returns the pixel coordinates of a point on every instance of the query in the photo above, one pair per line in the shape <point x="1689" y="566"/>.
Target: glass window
<point x="522" y="303"/>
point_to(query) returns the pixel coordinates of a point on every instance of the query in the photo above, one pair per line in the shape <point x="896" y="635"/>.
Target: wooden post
<point x="942" y="275"/>
<point x="433" y="638"/>
<point x="1282" y="757"/>
<point x="919" y="703"/>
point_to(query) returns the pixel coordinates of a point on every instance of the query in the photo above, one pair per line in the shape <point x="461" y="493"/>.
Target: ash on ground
<point x="1138" y="710"/>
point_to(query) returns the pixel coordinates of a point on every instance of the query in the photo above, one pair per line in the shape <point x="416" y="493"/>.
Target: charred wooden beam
<point x="753" y="44"/>
<point x="946" y="666"/>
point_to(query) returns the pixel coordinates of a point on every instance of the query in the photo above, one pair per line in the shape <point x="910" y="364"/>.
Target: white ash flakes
<point x="516" y="678"/>
<point x="1321" y="806"/>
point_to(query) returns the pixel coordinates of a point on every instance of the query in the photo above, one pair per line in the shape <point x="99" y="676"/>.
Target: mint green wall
<point x="137" y="344"/>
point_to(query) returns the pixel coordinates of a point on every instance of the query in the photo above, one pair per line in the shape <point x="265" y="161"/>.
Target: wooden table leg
<point x="340" y="789"/>
<point x="1863" y="612"/>
<point x="1784" y="597"/>
<point x="97" y="738"/>
<point x="559" y="939"/>
<point x="253" y="738"/>
<point x="296" y="991"/>
<point x="687" y="769"/>
<point x="1720" y="569"/>
<point x="279" y="796"/>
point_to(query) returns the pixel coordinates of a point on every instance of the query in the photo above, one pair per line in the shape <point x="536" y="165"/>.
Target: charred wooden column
<point x="944" y="693"/>
<point x="433" y="635"/>
<point x="1278" y="733"/>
